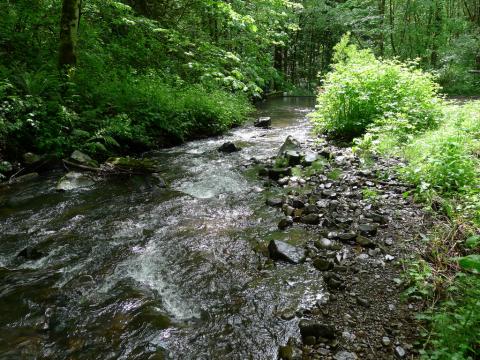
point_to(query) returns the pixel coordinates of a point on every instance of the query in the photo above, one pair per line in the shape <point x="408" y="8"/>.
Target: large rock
<point x="263" y="122"/>
<point x="280" y="250"/>
<point x="293" y="157"/>
<point x="228" y="147"/>
<point x="83" y="159"/>
<point x="317" y="329"/>
<point x="290" y="144"/>
<point x="74" y="180"/>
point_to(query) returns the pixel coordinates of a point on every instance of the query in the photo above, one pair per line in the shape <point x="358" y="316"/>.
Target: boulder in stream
<point x="74" y="180"/>
<point x="263" y="122"/>
<point x="280" y="250"/>
<point x="290" y="144"/>
<point x="228" y="147"/>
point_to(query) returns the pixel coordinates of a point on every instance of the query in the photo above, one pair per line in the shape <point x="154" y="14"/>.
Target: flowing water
<point x="133" y="271"/>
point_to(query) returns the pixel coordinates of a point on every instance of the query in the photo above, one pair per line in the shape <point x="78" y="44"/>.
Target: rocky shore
<point x="367" y="226"/>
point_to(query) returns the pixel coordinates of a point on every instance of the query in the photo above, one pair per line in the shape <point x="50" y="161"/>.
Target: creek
<point x="129" y="270"/>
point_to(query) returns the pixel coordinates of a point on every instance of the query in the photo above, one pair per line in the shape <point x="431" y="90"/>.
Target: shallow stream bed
<point x="133" y="271"/>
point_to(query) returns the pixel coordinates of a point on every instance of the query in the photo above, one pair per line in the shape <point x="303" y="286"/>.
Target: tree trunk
<point x="69" y="23"/>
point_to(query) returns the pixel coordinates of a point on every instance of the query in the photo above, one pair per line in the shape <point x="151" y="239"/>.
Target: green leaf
<point x="473" y="241"/>
<point x="470" y="262"/>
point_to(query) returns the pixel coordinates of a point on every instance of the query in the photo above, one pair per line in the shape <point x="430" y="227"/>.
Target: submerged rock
<point x="310" y="219"/>
<point x="74" y="180"/>
<point x="280" y="250"/>
<point x="274" y="201"/>
<point x="316" y="329"/>
<point x="364" y="241"/>
<point x="263" y="122"/>
<point x="228" y="147"/>
<point x="25" y="178"/>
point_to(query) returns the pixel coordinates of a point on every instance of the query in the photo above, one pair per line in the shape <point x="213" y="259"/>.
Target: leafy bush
<point x="445" y="160"/>
<point x="363" y="92"/>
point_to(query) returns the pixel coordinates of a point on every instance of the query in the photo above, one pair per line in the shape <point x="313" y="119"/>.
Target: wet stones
<point x="365" y="242"/>
<point x="400" y="352"/>
<point x="274" y="202"/>
<point x="316" y="329"/>
<point x="228" y="148"/>
<point x="324" y="244"/>
<point x="279" y="250"/>
<point x="310" y="219"/>
<point x="345" y="355"/>
<point x="285" y="223"/>
<point x="368" y="229"/>
<point x="263" y="122"/>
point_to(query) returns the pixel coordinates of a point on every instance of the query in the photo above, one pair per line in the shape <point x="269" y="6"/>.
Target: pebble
<point x="400" y="352"/>
<point x="386" y="341"/>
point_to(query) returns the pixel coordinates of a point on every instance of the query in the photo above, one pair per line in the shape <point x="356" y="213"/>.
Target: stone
<point x="309" y="340"/>
<point x="310" y="158"/>
<point x="290" y="144"/>
<point x="83" y="159"/>
<point x="285" y="223"/>
<point x="277" y="173"/>
<point x="30" y="253"/>
<point x="400" y="352"/>
<point x="363" y="302"/>
<point x="228" y="147"/>
<point x="347" y="236"/>
<point x="280" y="250"/>
<point x="274" y="201"/>
<point x="324" y="244"/>
<point x="386" y="341"/>
<point x="310" y="219"/>
<point x="316" y="329"/>
<point x="159" y="181"/>
<point x="285" y="352"/>
<point x="30" y="158"/>
<point x="288" y="210"/>
<point x="368" y="229"/>
<point x="311" y="209"/>
<point x="297" y="203"/>
<point x="263" y="122"/>
<point x="322" y="264"/>
<point x="364" y="241"/>
<point x="74" y="180"/>
<point x="345" y="355"/>
<point x="293" y="157"/>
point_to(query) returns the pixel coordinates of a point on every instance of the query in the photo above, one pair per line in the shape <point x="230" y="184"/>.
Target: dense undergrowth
<point x="139" y="82"/>
<point x="394" y="109"/>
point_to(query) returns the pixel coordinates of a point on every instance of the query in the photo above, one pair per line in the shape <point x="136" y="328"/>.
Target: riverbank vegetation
<point x="395" y="109"/>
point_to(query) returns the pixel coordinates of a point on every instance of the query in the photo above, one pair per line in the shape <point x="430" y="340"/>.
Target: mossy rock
<point x="134" y="165"/>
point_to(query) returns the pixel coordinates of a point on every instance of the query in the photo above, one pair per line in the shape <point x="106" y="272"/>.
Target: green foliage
<point x="383" y="96"/>
<point x="370" y="194"/>
<point x="454" y="326"/>
<point x="444" y="160"/>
